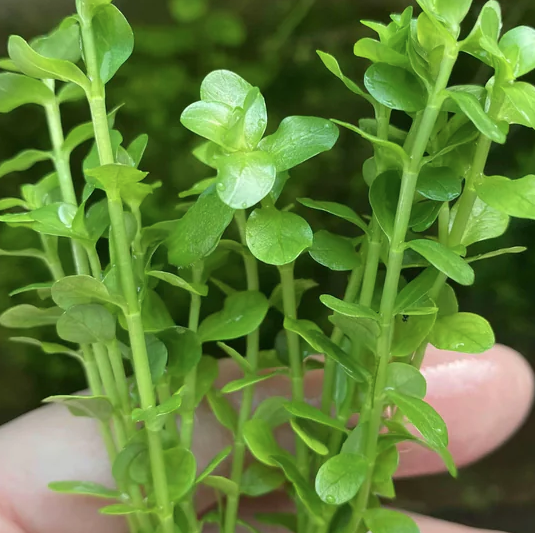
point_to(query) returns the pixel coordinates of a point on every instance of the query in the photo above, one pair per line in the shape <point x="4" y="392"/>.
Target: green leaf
<point x="261" y="442"/>
<point x="409" y="333"/>
<point x="447" y="301"/>
<point x="62" y="43"/>
<point x="197" y="233"/>
<point x="41" y="67"/>
<point x="77" y="136"/>
<point x="384" y="196"/>
<point x="9" y="203"/>
<point x="282" y="520"/>
<point x="223" y="410"/>
<point x="395" y="87"/>
<point x="17" y="90"/>
<point x="244" y="365"/>
<point x="444" y="260"/>
<point x="518" y="46"/>
<point x="298" y="139"/>
<point x="32" y="287"/>
<point x="181" y="471"/>
<point x="207" y="372"/>
<point x="120" y="509"/>
<point x="338" y="210"/>
<point x="423" y="417"/>
<point x="24" y="160"/>
<point x="197" y="188"/>
<point x="254" y="122"/>
<point x="348" y="308"/>
<point x="424" y="215"/>
<point x="441" y="184"/>
<point x="114" y="40"/>
<point x="259" y="479"/>
<point x="98" y="407"/>
<point x="463" y="332"/>
<point x="277" y="237"/>
<point x="332" y="65"/>
<point x="519" y="106"/>
<point x="208" y="119"/>
<point x="340" y="478"/>
<point x="415" y="290"/>
<point x="7" y="64"/>
<point x="272" y="411"/>
<point x="471" y="107"/>
<point x="48" y="347"/>
<point x="86" y="324"/>
<point x="70" y="92"/>
<point x="309" y="412"/>
<point x="225" y="87"/>
<point x="300" y="287"/>
<point x="113" y="178"/>
<point x="515" y="198"/>
<point x="382" y="520"/>
<point x="29" y="252"/>
<point x="405" y="379"/>
<point x="484" y="223"/>
<point x="308" y="438"/>
<point x="29" y="316"/>
<point x="497" y="253"/>
<point x="247" y="381"/>
<point x="243" y="312"/>
<point x="322" y="344"/>
<point x="245" y="178"/>
<point x="378" y="52"/>
<point x="214" y="463"/>
<point x="84" y="488"/>
<point x="222" y="484"/>
<point x="176" y="281"/>
<point x="334" y="251"/>
<point x="76" y="290"/>
<point x="302" y="488"/>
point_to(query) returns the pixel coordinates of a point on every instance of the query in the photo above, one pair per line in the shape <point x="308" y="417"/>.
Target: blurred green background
<point x="272" y="44"/>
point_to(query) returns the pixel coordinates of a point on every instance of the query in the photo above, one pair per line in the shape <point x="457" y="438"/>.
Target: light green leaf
<point x="197" y="188"/>
<point x="70" y="92"/>
<point x="484" y="223"/>
<point x="338" y="210"/>
<point x="38" y="66"/>
<point x="259" y="479"/>
<point x="302" y="488"/>
<point x="424" y="215"/>
<point x="444" y="260"/>
<point x="29" y="252"/>
<point x="298" y="139"/>
<point x="277" y="237"/>
<point x="497" y="253"/>
<point x="382" y="520"/>
<point x="332" y="65"/>
<point x="519" y="105"/>
<point x="447" y="301"/>
<point x="409" y="333"/>
<point x="113" y="178"/>
<point x="441" y="184"/>
<point x="247" y="381"/>
<point x="9" y="203"/>
<point x="309" y="439"/>
<point x="243" y="312"/>
<point x="334" y="251"/>
<point x="197" y="233"/>
<point x="45" y="287"/>
<point x="176" y="281"/>
<point x="261" y="442"/>
<point x="114" y="40"/>
<point x="77" y="136"/>
<point x="214" y="463"/>
<point x="17" y="90"/>
<point x="300" y="287"/>
<point x="210" y="120"/>
<point x="84" y="488"/>
<point x="282" y="520"/>
<point x="86" y="324"/>
<point x="222" y="484"/>
<point x="98" y="407"/>
<point x="245" y="178"/>
<point x="29" y="316"/>
<point x="384" y="197"/>
<point x="424" y="418"/>
<point x="225" y="87"/>
<point x="121" y="509"/>
<point x="378" y="52"/>
<point x="395" y="87"/>
<point x="223" y="410"/>
<point x="181" y="471"/>
<point x="405" y="379"/>
<point x="340" y="478"/>
<point x="76" y="290"/>
<point x="61" y="43"/>
<point x="348" y="308"/>
<point x="463" y="332"/>
<point x="24" y="160"/>
<point x="518" y="46"/>
<point x="415" y="290"/>
<point x="308" y="412"/>
<point x="471" y="107"/>
<point x="48" y="347"/>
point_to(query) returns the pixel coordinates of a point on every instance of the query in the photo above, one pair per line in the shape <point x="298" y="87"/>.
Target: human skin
<point x="483" y="399"/>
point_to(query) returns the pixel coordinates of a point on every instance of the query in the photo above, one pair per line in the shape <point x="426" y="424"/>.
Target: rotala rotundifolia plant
<point x="430" y="200"/>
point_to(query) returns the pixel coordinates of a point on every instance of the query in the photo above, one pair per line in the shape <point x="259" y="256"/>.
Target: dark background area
<point x="272" y="44"/>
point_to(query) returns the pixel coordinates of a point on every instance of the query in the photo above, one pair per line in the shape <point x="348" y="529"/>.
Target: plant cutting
<point x="430" y="201"/>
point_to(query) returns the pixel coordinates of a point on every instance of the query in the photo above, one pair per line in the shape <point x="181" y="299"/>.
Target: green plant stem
<point x="394" y="266"/>
<point x="296" y="371"/>
<point x="252" y="351"/>
<point x="164" y="393"/>
<point x="50" y="247"/>
<point x="63" y="169"/>
<point x="96" y="98"/>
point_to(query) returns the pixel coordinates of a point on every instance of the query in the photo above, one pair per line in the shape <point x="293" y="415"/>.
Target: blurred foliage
<point x="271" y="44"/>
